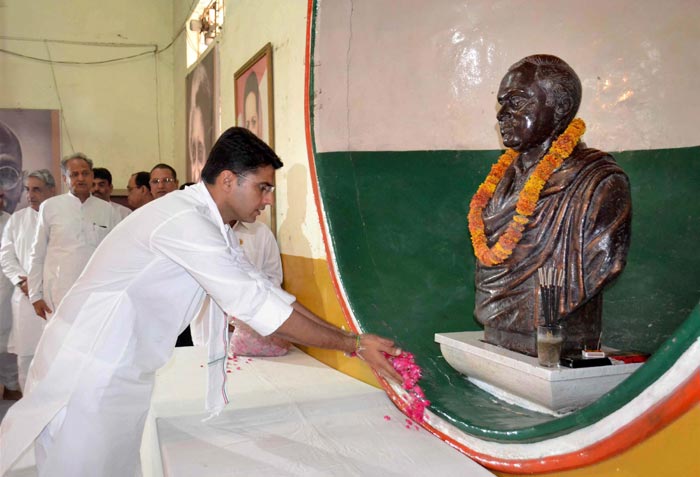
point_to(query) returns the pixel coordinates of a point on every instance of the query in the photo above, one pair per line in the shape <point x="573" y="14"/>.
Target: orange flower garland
<point x="562" y="148"/>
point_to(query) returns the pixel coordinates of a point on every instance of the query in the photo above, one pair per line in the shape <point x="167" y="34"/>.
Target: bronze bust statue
<point x="549" y="202"/>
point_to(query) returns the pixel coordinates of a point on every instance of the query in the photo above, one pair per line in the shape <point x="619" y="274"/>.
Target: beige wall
<point x="417" y="75"/>
<point x="120" y="114"/>
<point x="129" y="115"/>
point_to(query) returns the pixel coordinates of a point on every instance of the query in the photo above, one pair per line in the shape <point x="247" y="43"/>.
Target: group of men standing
<point x="46" y="246"/>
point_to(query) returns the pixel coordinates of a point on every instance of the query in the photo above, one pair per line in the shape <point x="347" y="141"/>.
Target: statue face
<point x="524" y="118"/>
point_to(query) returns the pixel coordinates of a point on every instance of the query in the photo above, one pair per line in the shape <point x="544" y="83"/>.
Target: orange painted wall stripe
<point x="312" y="165"/>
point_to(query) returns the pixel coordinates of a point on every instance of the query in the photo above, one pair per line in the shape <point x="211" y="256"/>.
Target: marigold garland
<point x="562" y="148"/>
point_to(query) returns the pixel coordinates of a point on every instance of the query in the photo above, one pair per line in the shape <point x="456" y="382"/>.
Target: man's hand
<point x="372" y="349"/>
<point x="41" y="309"/>
<point x="23" y="285"/>
<point x="305" y="328"/>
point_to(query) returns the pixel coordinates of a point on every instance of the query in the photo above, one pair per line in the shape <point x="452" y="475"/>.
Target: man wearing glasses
<point x="17" y="239"/>
<point x="163" y="180"/>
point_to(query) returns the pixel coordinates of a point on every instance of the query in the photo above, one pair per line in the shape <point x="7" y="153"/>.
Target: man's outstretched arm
<point x="305" y="328"/>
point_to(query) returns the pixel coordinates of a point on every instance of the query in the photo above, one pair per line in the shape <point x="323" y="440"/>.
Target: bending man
<point x="90" y="384"/>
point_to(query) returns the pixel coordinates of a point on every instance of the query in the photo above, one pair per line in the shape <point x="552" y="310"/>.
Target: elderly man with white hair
<point x="16" y="246"/>
<point x="70" y="228"/>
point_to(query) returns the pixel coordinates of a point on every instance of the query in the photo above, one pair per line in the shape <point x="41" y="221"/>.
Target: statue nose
<point x="502" y="114"/>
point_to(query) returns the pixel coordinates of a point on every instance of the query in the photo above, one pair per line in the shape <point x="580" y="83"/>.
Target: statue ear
<point x="563" y="103"/>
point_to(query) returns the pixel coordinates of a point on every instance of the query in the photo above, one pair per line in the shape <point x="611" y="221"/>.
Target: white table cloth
<point x="288" y="416"/>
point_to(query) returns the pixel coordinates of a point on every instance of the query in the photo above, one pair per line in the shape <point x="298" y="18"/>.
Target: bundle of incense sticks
<point x="551" y="281"/>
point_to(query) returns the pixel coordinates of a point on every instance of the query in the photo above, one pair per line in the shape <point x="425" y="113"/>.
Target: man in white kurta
<point x="16" y="246"/>
<point x="8" y="360"/>
<point x="90" y="383"/>
<point x="70" y="228"/>
<point x="102" y="188"/>
<point x="261" y="248"/>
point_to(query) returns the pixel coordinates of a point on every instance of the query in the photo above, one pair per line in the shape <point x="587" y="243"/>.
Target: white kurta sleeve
<point x="35" y="277"/>
<point x="8" y="255"/>
<point x="194" y="242"/>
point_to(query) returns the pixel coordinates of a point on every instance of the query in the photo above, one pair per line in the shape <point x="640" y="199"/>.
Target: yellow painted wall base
<point x="670" y="452"/>
<point x="673" y="451"/>
<point x="310" y="281"/>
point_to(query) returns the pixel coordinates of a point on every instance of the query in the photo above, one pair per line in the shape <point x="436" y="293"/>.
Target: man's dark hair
<point x="142" y="179"/>
<point x="165" y="166"/>
<point x="102" y="173"/>
<point x="238" y="150"/>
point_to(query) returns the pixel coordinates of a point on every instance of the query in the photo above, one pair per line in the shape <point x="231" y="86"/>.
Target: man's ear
<point x="227" y="178"/>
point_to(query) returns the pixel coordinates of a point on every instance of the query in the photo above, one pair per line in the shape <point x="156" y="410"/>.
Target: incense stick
<point x="551" y="282"/>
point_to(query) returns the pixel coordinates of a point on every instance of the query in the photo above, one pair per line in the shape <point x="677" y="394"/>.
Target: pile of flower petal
<point x="405" y="365"/>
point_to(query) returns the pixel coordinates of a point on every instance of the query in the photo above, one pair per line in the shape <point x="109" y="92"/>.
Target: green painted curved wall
<point x="398" y="225"/>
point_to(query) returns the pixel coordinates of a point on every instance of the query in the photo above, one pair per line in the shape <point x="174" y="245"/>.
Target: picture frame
<point x="202" y="111"/>
<point x="254" y="106"/>
<point x="255" y="78"/>
<point x="30" y="139"/>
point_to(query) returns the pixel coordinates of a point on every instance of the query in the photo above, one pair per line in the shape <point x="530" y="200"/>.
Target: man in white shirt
<point x="90" y="384"/>
<point x="70" y="228"/>
<point x="102" y="188"/>
<point x="261" y="248"/>
<point x="8" y="360"/>
<point x="16" y="246"/>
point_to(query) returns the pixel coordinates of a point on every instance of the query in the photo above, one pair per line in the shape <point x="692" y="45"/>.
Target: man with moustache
<point x="70" y="228"/>
<point x="102" y="188"/>
<point x="14" y="257"/>
<point x="163" y="180"/>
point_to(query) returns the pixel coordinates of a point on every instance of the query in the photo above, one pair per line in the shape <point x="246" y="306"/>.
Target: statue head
<point x="539" y="96"/>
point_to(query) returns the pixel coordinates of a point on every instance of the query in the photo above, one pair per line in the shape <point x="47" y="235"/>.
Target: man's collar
<point x="201" y="190"/>
<point x="76" y="197"/>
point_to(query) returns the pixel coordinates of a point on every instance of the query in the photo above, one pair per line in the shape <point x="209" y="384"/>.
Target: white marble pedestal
<point x="520" y="380"/>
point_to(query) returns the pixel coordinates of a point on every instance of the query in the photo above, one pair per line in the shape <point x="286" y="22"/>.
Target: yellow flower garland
<point x="562" y="148"/>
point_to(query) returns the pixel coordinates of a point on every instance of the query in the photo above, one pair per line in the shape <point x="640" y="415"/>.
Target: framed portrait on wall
<point x="30" y="139"/>
<point x="255" y="106"/>
<point x="202" y="110"/>
<point x="254" y="99"/>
